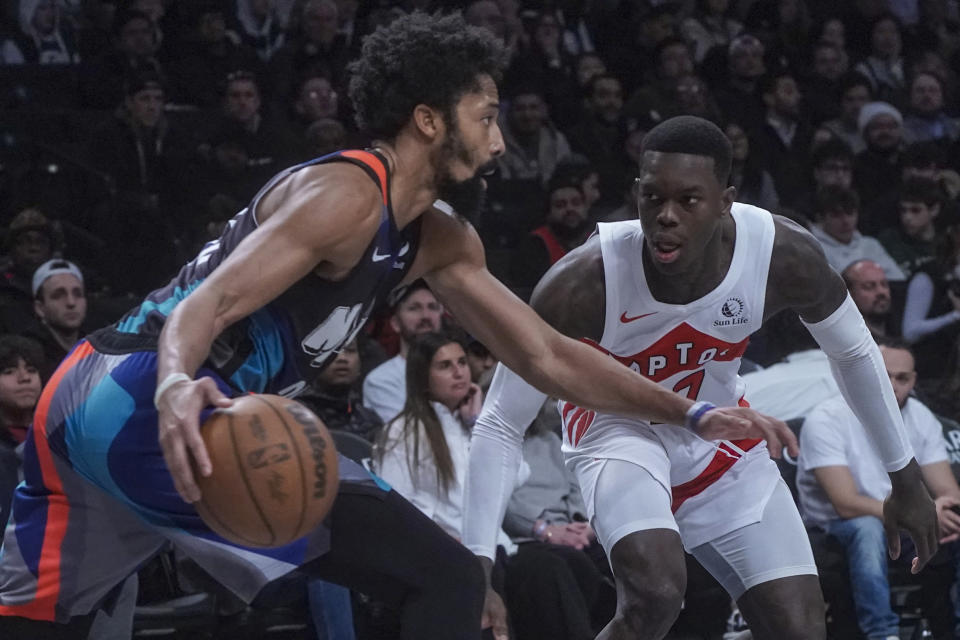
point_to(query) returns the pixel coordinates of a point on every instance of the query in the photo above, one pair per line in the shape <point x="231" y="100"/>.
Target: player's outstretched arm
<point x="562" y="365"/>
<point x="320" y="216"/>
<point x="801" y="279"/>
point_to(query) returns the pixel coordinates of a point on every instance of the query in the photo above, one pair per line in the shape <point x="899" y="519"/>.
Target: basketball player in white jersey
<point x="675" y="296"/>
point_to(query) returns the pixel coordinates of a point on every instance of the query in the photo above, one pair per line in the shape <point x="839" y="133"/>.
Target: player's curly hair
<point x="419" y="59"/>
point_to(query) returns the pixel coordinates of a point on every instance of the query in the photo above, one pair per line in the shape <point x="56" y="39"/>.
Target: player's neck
<point x="412" y="182"/>
<point x="702" y="277"/>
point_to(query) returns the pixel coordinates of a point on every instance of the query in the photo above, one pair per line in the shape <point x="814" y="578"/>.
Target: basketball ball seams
<point x="303" y="472"/>
<point x="246" y="481"/>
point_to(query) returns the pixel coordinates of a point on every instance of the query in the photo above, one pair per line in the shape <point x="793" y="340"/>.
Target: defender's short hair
<point x="695" y="136"/>
<point x="419" y="59"/>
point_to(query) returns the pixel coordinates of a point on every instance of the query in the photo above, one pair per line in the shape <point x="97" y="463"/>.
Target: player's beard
<point x="466" y="197"/>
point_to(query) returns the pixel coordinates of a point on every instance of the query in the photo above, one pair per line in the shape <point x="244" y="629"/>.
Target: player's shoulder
<point x="571" y="296"/>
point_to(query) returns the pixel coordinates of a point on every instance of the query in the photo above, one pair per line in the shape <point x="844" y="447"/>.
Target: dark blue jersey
<point x="282" y="346"/>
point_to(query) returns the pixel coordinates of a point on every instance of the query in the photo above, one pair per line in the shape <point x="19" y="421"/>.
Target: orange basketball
<point x="274" y="473"/>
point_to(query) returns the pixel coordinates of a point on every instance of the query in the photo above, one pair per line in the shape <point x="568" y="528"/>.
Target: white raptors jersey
<point x="693" y="349"/>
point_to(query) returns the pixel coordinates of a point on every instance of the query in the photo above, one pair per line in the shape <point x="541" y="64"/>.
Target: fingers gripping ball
<point x="274" y="471"/>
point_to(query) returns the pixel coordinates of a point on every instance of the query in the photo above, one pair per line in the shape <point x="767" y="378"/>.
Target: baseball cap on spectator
<point x="52" y="268"/>
<point x="871" y="110"/>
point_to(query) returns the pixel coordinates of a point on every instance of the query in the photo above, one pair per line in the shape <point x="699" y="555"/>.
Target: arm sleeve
<point x="495" y="454"/>
<point x="916" y="324"/>
<point x="862" y="377"/>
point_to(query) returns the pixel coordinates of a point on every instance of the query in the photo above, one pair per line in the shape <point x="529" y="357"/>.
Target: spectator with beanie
<point x="415" y="311"/>
<point x="147" y="158"/>
<point x="878" y="166"/>
<point x="566" y="227"/>
<point x="60" y="303"/>
<point x="30" y="241"/>
<point x="836" y="230"/>
<point x="19" y="392"/>
<point x="334" y="396"/>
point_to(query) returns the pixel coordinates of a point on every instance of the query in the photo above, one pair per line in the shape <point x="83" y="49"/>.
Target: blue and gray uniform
<point x="97" y="499"/>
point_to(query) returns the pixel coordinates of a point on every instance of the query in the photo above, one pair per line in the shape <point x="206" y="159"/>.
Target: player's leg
<point x="634" y="523"/>
<point x="768" y="568"/>
<point x="383" y="546"/>
<point x="67" y="544"/>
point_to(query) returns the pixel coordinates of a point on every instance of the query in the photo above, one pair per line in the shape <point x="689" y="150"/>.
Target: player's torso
<point x="693" y="349"/>
<point x="280" y="347"/>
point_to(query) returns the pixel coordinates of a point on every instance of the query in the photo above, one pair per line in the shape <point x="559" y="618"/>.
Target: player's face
<point x="420" y="312"/>
<point x="468" y="149"/>
<point x="900" y="368"/>
<point x="680" y="203"/>
<point x="345" y="368"/>
<point x="449" y="375"/>
<point x="19" y="386"/>
<point x="64" y="304"/>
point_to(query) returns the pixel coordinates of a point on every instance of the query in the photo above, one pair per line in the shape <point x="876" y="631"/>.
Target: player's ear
<point x="726" y="199"/>
<point x="428" y="121"/>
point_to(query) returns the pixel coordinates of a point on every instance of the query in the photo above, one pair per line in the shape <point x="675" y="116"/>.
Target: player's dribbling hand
<point x="494" y="615"/>
<point x="737" y="423"/>
<point x="179" y="431"/>
<point x="910" y="507"/>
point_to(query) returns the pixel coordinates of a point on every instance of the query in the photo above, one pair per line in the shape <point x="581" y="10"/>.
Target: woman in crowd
<point x="423" y="453"/>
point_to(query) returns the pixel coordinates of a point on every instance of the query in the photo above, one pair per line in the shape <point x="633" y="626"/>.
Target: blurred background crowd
<point x="132" y="130"/>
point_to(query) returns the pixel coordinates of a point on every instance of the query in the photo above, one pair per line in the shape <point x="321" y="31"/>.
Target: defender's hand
<point x="738" y="423"/>
<point x="178" y="431"/>
<point x="494" y="615"/>
<point x="910" y="507"/>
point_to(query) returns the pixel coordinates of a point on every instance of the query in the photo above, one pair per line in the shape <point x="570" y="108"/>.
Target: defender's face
<point x="680" y="203"/>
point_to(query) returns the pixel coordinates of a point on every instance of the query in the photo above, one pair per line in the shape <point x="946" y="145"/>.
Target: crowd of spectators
<point x="131" y="131"/>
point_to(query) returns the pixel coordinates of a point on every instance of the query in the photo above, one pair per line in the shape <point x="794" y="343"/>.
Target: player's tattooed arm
<point x="800" y="276"/>
<point x="571" y="296"/>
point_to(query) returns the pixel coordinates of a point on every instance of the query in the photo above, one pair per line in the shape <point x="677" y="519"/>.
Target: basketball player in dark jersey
<point x="108" y="464"/>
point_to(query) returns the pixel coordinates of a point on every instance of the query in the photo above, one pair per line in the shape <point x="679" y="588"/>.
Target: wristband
<point x="539" y="528"/>
<point x="168" y="382"/>
<point x="695" y="412"/>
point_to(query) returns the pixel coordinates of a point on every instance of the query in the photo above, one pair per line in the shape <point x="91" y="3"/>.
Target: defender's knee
<point x="651" y="605"/>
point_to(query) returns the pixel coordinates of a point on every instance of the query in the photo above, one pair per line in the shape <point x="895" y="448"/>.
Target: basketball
<point x="274" y="473"/>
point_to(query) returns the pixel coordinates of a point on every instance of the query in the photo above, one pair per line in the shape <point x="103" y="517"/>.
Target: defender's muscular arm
<point x="801" y="279"/>
<point x="555" y="364"/>
<point x="321" y="217"/>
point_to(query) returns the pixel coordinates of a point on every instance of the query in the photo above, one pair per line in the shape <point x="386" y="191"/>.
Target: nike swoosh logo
<point x="624" y="318"/>
<point x="403" y="250"/>
<point x="378" y="257"/>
